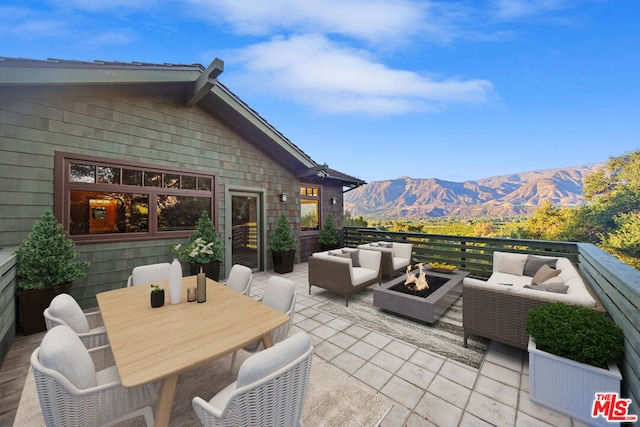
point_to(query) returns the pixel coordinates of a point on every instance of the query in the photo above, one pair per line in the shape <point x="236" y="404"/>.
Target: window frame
<point x="63" y="187"/>
<point x="317" y="198"/>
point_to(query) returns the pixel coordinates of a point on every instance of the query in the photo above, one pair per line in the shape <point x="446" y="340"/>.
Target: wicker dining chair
<point x="150" y="273"/>
<point x="81" y="387"/>
<point x="271" y="389"/>
<point x="64" y="310"/>
<point x="280" y="294"/>
<point x="240" y="278"/>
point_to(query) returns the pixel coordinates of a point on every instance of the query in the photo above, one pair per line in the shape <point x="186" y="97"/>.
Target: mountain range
<point x="507" y="195"/>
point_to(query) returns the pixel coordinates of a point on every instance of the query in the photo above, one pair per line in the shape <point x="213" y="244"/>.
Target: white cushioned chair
<point x="280" y="294"/>
<point x="271" y="389"/>
<point x="64" y="310"/>
<point x="80" y="387"/>
<point x="151" y="273"/>
<point x="240" y="278"/>
<point x="395" y="256"/>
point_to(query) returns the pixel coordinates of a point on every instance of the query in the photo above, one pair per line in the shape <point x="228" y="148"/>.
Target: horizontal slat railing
<point x="474" y="254"/>
<point x="615" y="283"/>
<point x="618" y="287"/>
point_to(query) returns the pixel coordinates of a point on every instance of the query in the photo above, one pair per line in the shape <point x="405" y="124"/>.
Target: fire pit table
<point x="425" y="305"/>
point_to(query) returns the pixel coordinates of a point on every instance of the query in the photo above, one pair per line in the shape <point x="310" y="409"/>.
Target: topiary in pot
<point x="329" y="236"/>
<point x="204" y="249"/>
<point x="577" y="333"/>
<point x="46" y="266"/>
<point x="283" y="244"/>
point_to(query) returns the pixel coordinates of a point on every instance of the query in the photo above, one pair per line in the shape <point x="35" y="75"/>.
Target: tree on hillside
<point x="610" y="218"/>
<point x="355" y="222"/>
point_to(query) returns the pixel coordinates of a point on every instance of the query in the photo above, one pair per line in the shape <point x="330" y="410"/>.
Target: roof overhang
<point x="191" y="83"/>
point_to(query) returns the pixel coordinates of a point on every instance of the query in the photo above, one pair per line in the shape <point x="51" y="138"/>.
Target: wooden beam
<point x="205" y="82"/>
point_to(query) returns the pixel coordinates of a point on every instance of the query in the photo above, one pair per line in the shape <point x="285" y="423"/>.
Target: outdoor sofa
<point x="344" y="271"/>
<point x="498" y="307"/>
<point x="395" y="256"/>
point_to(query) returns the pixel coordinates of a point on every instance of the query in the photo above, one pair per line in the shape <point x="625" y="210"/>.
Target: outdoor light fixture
<point x="332" y="200"/>
<point x="283" y="197"/>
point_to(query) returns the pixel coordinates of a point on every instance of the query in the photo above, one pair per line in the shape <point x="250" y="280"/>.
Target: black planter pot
<point x="157" y="299"/>
<point x="32" y="303"/>
<point x="328" y="246"/>
<point x="283" y="261"/>
<point x="212" y="270"/>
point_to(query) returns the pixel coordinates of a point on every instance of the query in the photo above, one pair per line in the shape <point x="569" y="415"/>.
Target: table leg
<point x="267" y="340"/>
<point x="165" y="400"/>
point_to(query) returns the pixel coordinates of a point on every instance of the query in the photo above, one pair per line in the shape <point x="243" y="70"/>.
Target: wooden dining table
<point x="157" y="344"/>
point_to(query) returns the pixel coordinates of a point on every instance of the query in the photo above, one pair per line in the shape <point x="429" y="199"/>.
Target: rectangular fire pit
<point x="427" y="309"/>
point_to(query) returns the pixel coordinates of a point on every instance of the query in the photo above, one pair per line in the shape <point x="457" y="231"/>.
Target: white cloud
<point x="109" y="38"/>
<point x="99" y="5"/>
<point x="513" y="9"/>
<point x="313" y="71"/>
<point x="38" y="28"/>
<point x="371" y="20"/>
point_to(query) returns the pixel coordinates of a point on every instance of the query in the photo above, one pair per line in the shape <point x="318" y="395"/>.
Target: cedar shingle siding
<point x="149" y="129"/>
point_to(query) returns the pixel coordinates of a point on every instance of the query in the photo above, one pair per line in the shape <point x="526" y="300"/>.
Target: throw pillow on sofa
<point x="552" y="287"/>
<point x="355" y="256"/>
<point x="534" y="263"/>
<point x="340" y="254"/>
<point x="543" y="274"/>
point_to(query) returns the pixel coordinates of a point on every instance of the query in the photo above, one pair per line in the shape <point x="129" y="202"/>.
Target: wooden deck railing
<point x="616" y="283"/>
<point x="474" y="254"/>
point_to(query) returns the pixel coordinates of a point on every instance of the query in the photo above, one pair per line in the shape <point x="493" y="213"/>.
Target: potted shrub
<point x="329" y="236"/>
<point x="46" y="267"/>
<point x="204" y="249"/>
<point x="573" y="352"/>
<point x="283" y="246"/>
<point x="157" y="296"/>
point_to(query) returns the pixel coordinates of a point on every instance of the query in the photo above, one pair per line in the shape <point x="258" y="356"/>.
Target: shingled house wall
<point x="151" y="129"/>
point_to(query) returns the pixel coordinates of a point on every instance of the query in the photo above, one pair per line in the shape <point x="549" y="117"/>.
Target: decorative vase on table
<point x="201" y="287"/>
<point x="175" y="282"/>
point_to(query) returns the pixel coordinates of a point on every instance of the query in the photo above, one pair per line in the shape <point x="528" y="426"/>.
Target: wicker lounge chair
<point x="338" y="274"/>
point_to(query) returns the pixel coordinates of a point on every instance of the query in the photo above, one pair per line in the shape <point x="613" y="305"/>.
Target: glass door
<point x="245" y="229"/>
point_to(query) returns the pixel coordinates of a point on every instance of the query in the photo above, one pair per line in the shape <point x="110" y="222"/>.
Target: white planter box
<point x="569" y="387"/>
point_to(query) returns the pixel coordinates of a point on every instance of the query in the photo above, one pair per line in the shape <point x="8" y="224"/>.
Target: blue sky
<point x="456" y="90"/>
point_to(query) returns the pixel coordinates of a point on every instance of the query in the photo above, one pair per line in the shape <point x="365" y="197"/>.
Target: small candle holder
<point x="191" y="294"/>
<point x="201" y="291"/>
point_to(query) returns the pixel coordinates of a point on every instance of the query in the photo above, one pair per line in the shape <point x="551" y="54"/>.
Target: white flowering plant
<point x="198" y="252"/>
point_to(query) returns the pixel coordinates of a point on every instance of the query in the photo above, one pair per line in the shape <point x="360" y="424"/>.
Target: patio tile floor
<point x="426" y="389"/>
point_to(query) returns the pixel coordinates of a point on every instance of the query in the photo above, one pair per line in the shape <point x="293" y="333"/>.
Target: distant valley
<point x="506" y="195"/>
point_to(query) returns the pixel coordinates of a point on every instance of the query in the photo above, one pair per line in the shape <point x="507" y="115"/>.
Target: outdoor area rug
<point x="333" y="397"/>
<point x="444" y="337"/>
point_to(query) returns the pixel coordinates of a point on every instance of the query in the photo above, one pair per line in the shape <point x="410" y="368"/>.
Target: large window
<point x="310" y="208"/>
<point x="101" y="199"/>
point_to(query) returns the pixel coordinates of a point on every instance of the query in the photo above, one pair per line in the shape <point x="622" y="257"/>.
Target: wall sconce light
<point x="283" y="197"/>
<point x="332" y="200"/>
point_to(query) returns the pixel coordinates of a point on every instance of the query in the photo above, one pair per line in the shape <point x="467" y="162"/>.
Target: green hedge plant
<point x="577" y="333"/>
<point x="47" y="257"/>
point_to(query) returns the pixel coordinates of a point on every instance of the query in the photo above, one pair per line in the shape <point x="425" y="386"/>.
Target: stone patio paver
<point x="426" y="388"/>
